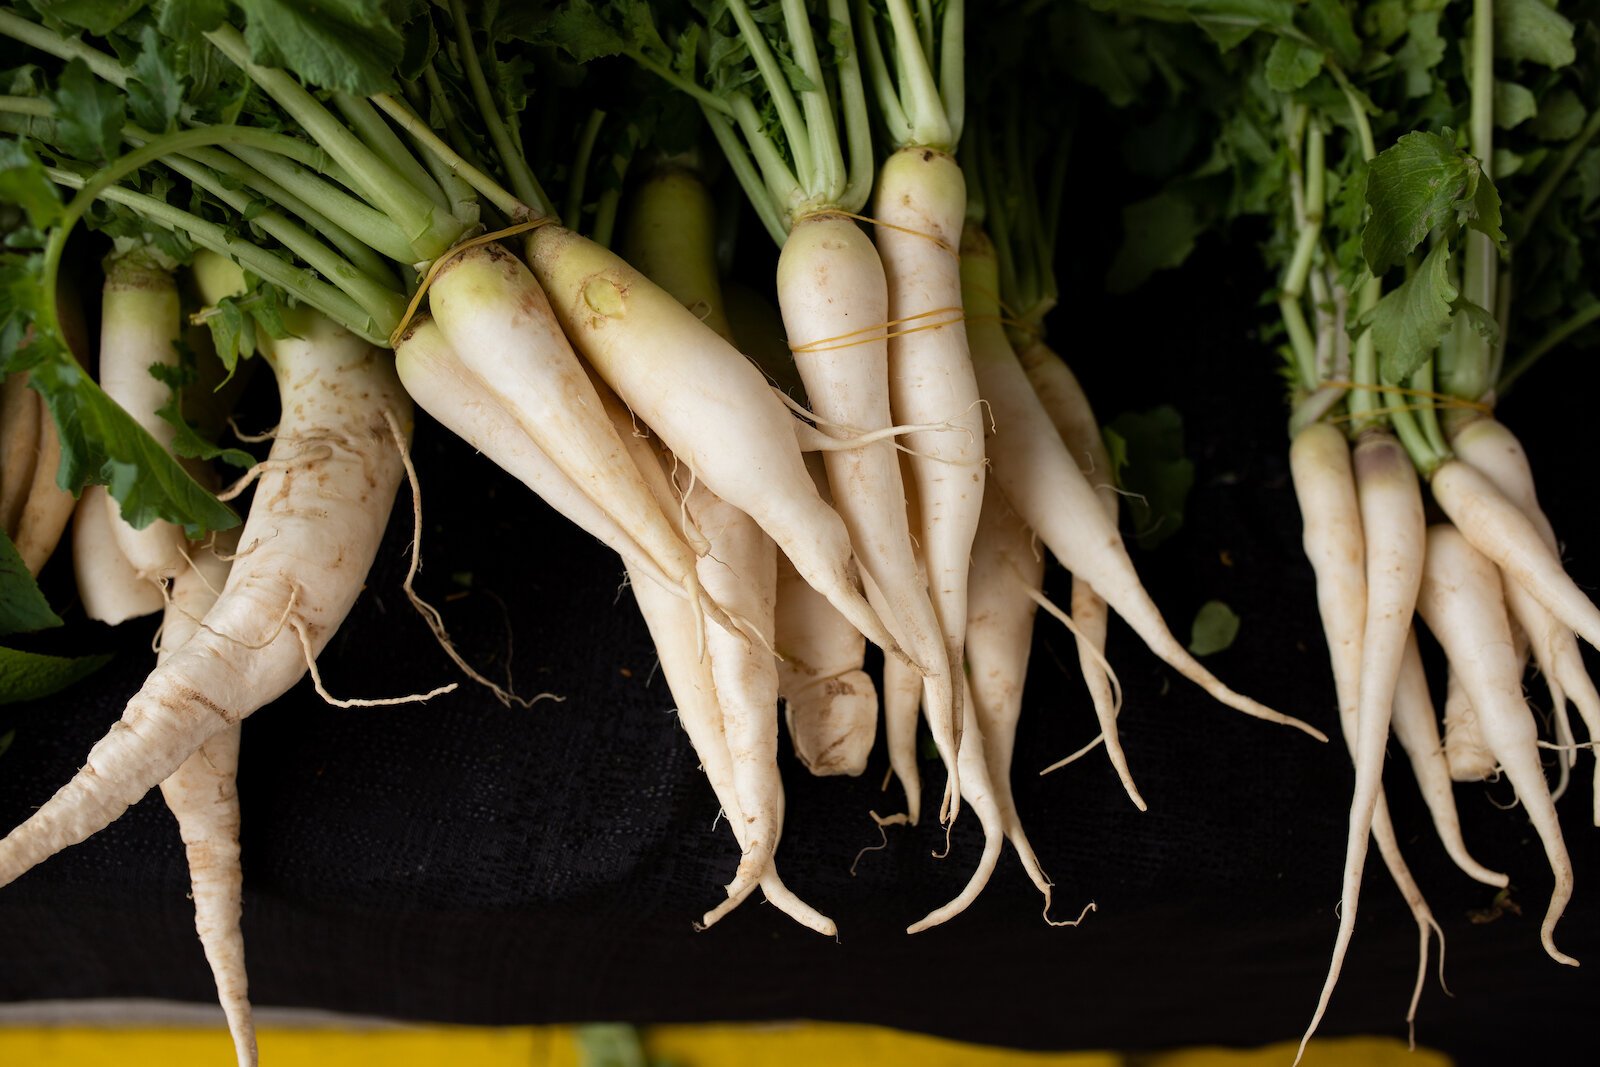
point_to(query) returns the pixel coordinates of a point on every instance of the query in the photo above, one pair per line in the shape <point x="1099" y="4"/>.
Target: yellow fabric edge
<point x="699" y="1045"/>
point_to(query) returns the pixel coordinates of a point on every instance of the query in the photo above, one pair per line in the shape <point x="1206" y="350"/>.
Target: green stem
<point x="1545" y="344"/>
<point x="952" y="67"/>
<point x="1467" y="369"/>
<point x="821" y="134"/>
<point x="491" y="190"/>
<point x="702" y="96"/>
<point x="930" y="127"/>
<point x="1411" y="435"/>
<point x="785" y="189"/>
<point x="857" y="118"/>
<point x="303" y="283"/>
<point x="372" y="226"/>
<point x="1422" y="382"/>
<point x="37" y="36"/>
<point x="777" y="83"/>
<point x="1363" y="400"/>
<point x="383" y="305"/>
<point x="744" y="169"/>
<point x="895" y="122"/>
<point x="430" y="231"/>
<point x="1569" y="155"/>
<point x="380" y="137"/>
<point x="580" y="168"/>
<point x="516" y="168"/>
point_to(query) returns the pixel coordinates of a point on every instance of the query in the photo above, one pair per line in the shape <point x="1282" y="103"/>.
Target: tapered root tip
<point x="1547" y="935"/>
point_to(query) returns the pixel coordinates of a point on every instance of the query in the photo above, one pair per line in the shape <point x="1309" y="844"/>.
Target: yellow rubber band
<point x="1442" y="400"/>
<point x="438" y="264"/>
<point x="869" y="220"/>
<point x="861" y="336"/>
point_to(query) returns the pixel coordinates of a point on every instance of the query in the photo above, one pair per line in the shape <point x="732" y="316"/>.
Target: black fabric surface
<point x="465" y="862"/>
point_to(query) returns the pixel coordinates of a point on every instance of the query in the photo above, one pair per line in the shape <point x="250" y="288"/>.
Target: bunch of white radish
<point x="1394" y="298"/>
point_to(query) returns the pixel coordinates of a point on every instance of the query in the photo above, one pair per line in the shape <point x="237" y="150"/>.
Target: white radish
<point x="203" y="796"/>
<point x="433" y="373"/>
<point x="831" y="286"/>
<point x="110" y="590"/>
<point x="1392" y="528"/>
<point x="1465" y="752"/>
<point x="1464" y="605"/>
<point x="830" y="703"/>
<point x="19" y="445"/>
<point x="688" y="675"/>
<point x="980" y="797"/>
<point x="1490" y="447"/>
<point x="1496" y="527"/>
<point x="1000" y="611"/>
<point x="499" y="323"/>
<point x="706" y="402"/>
<point x="920" y="204"/>
<point x="1043" y="483"/>
<point x="139" y="328"/>
<point x="320" y="508"/>
<point x="740" y="571"/>
<point x="1416" y="726"/>
<point x="1068" y="407"/>
<point x="48" y="506"/>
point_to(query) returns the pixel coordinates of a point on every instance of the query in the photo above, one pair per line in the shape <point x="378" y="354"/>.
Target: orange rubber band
<point x="438" y="264"/>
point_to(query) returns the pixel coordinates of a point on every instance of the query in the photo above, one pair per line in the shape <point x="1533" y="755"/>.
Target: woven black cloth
<point x="466" y="862"/>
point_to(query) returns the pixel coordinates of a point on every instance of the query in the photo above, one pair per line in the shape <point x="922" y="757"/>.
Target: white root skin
<point x="203" y="796"/>
<point x="688" y="676"/>
<point x="830" y="703"/>
<point x="1389" y="503"/>
<point x="999" y="639"/>
<point x="312" y="532"/>
<point x="831" y="285"/>
<point x="1495" y="527"/>
<point x="1465" y="752"/>
<point x="740" y="570"/>
<point x="982" y="799"/>
<point x="1416" y="725"/>
<point x="140" y="323"/>
<point x="19" y="445"/>
<point x="921" y="200"/>
<point x="1068" y="407"/>
<point x="1491" y="448"/>
<point x="48" y="507"/>
<point x="1042" y="482"/>
<point x="709" y="405"/>
<point x="1320" y="461"/>
<point x="431" y="372"/>
<point x="1464" y="605"/>
<point x="498" y="321"/>
<point x="110" y="590"/>
<point x="902" y="704"/>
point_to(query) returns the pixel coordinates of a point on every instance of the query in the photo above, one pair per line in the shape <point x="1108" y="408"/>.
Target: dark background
<point x="465" y="862"/>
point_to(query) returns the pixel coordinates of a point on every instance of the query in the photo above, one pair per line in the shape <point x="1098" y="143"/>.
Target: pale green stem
<point x="895" y="122"/>
<point x="1422" y="381"/>
<point x="37" y="36"/>
<point x="580" y="168"/>
<point x="829" y="176"/>
<point x="744" y="168"/>
<point x="429" y="230"/>
<point x="794" y="126"/>
<point x="516" y="168"/>
<point x="380" y="137"/>
<point x="491" y="190"/>
<point x="785" y="188"/>
<point x="953" y="66"/>
<point x="372" y="226"/>
<point x="930" y="127"/>
<point x="857" y="119"/>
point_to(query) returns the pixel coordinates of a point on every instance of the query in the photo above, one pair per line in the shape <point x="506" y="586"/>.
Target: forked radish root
<point x="311" y="535"/>
<point x="1463" y="604"/>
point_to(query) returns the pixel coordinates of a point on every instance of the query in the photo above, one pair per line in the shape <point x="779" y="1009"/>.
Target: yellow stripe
<point x="743" y="1045"/>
